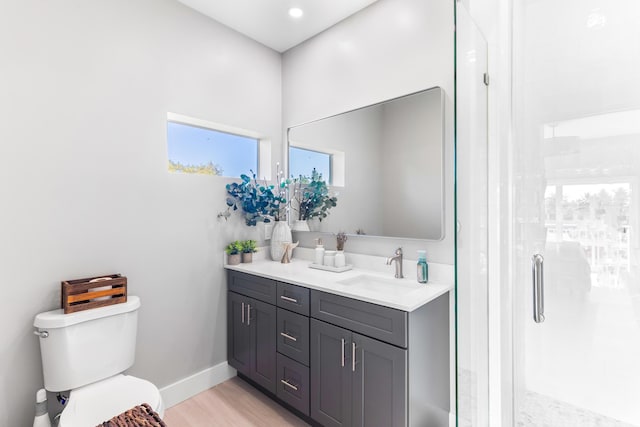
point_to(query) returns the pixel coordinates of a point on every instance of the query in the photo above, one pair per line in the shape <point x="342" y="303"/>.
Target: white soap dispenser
<point x="319" y="254"/>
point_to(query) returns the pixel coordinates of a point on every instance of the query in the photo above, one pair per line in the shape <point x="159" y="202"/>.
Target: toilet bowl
<point x="87" y="352"/>
<point x="98" y="402"/>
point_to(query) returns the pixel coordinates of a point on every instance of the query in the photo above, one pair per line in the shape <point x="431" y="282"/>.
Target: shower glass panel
<point x="471" y="216"/>
<point x="576" y="202"/>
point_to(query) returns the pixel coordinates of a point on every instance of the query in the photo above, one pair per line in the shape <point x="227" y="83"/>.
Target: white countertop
<point x="298" y="273"/>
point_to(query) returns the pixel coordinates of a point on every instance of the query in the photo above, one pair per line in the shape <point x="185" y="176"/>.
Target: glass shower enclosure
<point x="576" y="169"/>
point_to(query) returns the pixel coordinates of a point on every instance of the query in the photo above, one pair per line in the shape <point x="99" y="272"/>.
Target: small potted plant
<point x="233" y="252"/>
<point x="248" y="248"/>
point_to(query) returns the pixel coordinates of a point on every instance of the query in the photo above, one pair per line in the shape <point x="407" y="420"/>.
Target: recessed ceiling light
<point x="295" y="12"/>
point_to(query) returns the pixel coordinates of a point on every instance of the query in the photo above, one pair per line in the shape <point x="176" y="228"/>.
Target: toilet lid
<point x="98" y="402"/>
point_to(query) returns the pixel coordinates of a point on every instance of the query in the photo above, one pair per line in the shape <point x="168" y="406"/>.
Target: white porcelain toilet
<point x="87" y="352"/>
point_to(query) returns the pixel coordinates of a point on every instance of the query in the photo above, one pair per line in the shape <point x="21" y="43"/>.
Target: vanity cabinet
<point x="380" y="382"/>
<point x="341" y="361"/>
<point x="251" y="343"/>
<point x="238" y="333"/>
<point x="267" y="343"/>
<point x="331" y="377"/>
<point x="356" y="380"/>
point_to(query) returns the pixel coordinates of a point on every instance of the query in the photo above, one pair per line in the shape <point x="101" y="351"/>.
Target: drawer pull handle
<point x="289" y="337"/>
<point x="248" y="314"/>
<point x="288" y="384"/>
<point x="342" y="358"/>
<point x="353" y="356"/>
<point x="242" y="313"/>
<point x="293" y="300"/>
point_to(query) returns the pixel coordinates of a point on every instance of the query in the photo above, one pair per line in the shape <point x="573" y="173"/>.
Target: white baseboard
<point x="190" y="386"/>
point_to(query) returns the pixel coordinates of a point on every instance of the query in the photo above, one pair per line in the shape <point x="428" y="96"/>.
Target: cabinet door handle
<point x="293" y="300"/>
<point x="289" y="337"/>
<point x="288" y="384"/>
<point x="353" y="356"/>
<point x="248" y="314"/>
<point x="342" y="358"/>
<point x="242" y="313"/>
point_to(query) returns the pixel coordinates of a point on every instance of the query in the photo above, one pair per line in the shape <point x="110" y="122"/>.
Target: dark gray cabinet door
<point x="238" y="333"/>
<point x="262" y="321"/>
<point x="330" y="374"/>
<point x="379" y="383"/>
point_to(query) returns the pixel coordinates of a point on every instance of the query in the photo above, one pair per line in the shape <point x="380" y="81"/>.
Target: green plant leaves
<point x="234" y="248"/>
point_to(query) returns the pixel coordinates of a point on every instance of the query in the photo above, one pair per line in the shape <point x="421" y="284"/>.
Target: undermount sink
<point x="381" y="285"/>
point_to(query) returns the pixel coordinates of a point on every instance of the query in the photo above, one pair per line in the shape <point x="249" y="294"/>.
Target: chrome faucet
<point x="398" y="259"/>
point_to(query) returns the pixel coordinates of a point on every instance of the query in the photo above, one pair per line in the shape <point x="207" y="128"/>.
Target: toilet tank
<point x="87" y="346"/>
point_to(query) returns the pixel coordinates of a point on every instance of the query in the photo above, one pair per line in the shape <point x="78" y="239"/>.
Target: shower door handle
<point x="537" y="270"/>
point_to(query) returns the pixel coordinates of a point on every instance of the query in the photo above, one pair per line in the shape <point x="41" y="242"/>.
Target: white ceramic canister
<point x="319" y="253"/>
<point x="329" y="258"/>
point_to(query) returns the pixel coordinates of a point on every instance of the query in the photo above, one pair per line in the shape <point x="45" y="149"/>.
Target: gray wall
<point x="412" y="137"/>
<point x="84" y="91"/>
<point x="357" y="135"/>
<point x="392" y="48"/>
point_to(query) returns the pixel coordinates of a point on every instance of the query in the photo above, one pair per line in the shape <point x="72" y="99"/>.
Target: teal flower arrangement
<point x="312" y="195"/>
<point x="259" y="202"/>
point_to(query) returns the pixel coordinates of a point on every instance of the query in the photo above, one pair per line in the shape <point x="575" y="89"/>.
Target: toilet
<point x="87" y="352"/>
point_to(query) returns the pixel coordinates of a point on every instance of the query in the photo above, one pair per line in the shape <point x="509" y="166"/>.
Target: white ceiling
<point x="268" y="21"/>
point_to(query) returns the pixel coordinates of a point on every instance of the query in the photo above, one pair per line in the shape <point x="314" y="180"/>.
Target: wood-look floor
<point x="233" y="403"/>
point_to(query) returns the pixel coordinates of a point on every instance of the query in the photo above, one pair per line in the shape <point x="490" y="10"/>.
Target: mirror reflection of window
<point x="302" y="161"/>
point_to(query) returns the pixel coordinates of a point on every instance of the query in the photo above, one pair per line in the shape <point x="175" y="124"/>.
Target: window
<point x="199" y="147"/>
<point x="303" y="161"/>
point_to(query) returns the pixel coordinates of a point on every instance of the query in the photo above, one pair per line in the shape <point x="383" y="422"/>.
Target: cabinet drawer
<point x="293" y="335"/>
<point x="293" y="383"/>
<point x="253" y="286"/>
<point x="294" y="298"/>
<point x="383" y="323"/>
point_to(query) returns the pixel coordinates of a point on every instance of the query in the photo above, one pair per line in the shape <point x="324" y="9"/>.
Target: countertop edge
<point x="436" y="289"/>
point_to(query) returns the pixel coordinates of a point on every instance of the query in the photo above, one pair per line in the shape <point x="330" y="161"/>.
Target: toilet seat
<point x="98" y="402"/>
